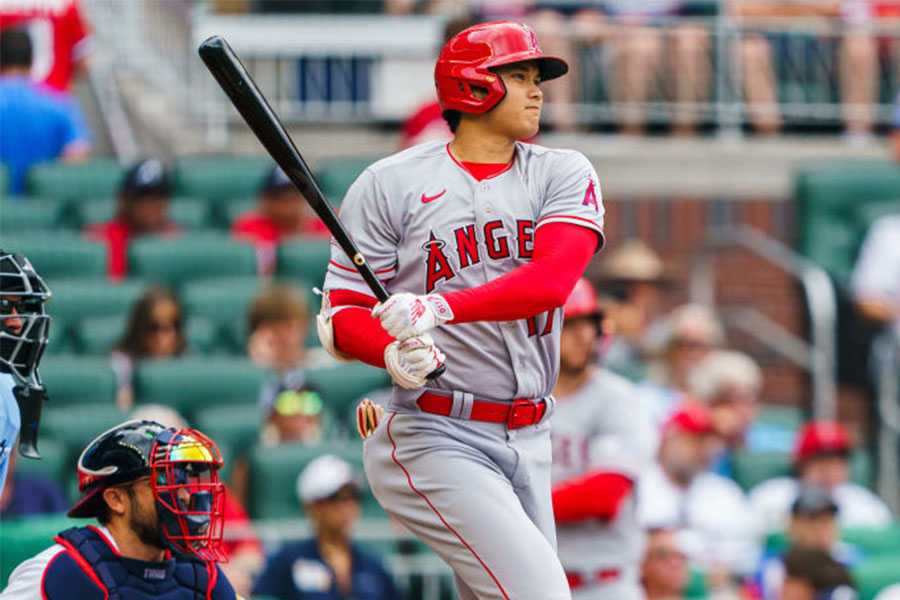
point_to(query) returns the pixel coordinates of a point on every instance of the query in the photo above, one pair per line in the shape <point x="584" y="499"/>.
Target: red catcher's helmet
<point x="467" y="58"/>
<point x="582" y="301"/>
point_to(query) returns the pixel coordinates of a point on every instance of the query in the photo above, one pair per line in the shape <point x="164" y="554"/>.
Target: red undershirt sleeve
<point x="356" y="332"/>
<point x="596" y="494"/>
<point x="562" y="252"/>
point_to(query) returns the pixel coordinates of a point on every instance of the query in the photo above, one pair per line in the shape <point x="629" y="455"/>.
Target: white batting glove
<point x="410" y="361"/>
<point x="406" y="315"/>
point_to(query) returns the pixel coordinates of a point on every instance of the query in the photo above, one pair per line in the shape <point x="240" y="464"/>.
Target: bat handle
<point x="436" y="373"/>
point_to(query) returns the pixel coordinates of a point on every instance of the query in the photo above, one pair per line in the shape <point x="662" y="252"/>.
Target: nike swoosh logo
<point x="427" y="199"/>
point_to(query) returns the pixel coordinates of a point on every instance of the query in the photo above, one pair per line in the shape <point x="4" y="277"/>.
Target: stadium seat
<point x="237" y="427"/>
<point x="98" y="335"/>
<point x="184" y="259"/>
<point x="189" y="213"/>
<point x="306" y="260"/>
<point x="231" y="209"/>
<point x="751" y="468"/>
<point x="55" y="463"/>
<point x="94" y="179"/>
<point x="274" y="471"/>
<point x="341" y="385"/>
<point x="29" y="214"/>
<point x="875" y="541"/>
<point x="78" y="380"/>
<point x="193" y="383"/>
<point x="220" y="177"/>
<point x="827" y="195"/>
<point x="790" y="417"/>
<point x="875" y="574"/>
<point x="224" y="300"/>
<point x="335" y="176"/>
<point x="76" y="426"/>
<point x="77" y="299"/>
<point x="26" y="537"/>
<point x="59" y="255"/>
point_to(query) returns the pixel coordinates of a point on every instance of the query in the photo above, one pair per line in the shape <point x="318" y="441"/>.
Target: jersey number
<point x="533" y="324"/>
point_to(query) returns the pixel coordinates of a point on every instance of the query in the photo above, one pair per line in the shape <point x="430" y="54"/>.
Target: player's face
<point x="140" y="512"/>
<point x="518" y="114"/>
<point x="577" y="344"/>
<point x="11" y="321"/>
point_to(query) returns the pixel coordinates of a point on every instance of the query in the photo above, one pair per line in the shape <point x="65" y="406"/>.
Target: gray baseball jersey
<point x="602" y="427"/>
<point x="477" y="493"/>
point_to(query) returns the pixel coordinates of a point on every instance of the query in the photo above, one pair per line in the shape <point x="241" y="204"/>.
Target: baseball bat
<point x="236" y="82"/>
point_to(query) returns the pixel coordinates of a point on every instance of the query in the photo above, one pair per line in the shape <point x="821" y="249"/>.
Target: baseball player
<point x="156" y="493"/>
<point x="23" y="337"/>
<point x="480" y="241"/>
<point x="602" y="440"/>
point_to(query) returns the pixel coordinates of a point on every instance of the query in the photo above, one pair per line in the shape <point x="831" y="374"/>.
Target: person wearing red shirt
<point x="282" y="212"/>
<point x="143" y="209"/>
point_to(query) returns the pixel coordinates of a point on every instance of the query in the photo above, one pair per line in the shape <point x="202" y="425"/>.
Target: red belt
<point x="576" y="580"/>
<point x="520" y="413"/>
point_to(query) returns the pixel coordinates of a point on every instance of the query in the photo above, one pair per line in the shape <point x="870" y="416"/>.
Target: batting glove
<point x="406" y="315"/>
<point x="410" y="361"/>
<point x="368" y="416"/>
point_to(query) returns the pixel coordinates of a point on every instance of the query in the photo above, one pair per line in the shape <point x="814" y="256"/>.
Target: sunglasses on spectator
<point x="160" y="326"/>
<point x="302" y="402"/>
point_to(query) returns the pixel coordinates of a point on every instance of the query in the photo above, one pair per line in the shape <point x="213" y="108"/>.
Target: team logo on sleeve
<point x="590" y="196"/>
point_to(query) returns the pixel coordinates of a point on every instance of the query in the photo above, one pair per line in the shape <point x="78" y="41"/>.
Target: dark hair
<point x="15" y="48"/>
<point x="452" y="117"/>
<point x="817" y="568"/>
<point x="134" y="342"/>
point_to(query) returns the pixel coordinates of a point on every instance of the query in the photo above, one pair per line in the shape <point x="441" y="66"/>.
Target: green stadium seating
<point x="4" y="179"/>
<point x="59" y="255"/>
<point x="76" y="426"/>
<point x="98" y="335"/>
<point x="23" y="538"/>
<point x="790" y="417"/>
<point x="192" y="383"/>
<point x="77" y="299"/>
<point x="94" y="179"/>
<point x="274" y="471"/>
<point x="306" y="260"/>
<point x="78" y="380"/>
<point x="55" y="462"/>
<point x="335" y="176"/>
<point x="827" y="196"/>
<point x="231" y="209"/>
<point x="875" y="574"/>
<point x="185" y="259"/>
<point x="189" y="213"/>
<point x="236" y="427"/>
<point x="875" y="541"/>
<point x="220" y="177"/>
<point x="749" y="469"/>
<point x="28" y="214"/>
<point x="341" y="385"/>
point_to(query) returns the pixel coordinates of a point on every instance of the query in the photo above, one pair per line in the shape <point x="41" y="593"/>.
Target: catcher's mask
<point x="190" y="499"/>
<point x="22" y="297"/>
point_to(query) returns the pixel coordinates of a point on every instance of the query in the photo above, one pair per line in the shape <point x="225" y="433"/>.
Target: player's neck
<point x="473" y="144"/>
<point x="569" y="383"/>
<point x="130" y="546"/>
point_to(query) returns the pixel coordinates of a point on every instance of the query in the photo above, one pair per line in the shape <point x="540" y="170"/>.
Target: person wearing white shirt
<point x="876" y="276"/>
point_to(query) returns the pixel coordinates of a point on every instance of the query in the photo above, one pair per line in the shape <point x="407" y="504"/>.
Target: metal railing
<point x="818" y="355"/>
<point x="885" y="359"/>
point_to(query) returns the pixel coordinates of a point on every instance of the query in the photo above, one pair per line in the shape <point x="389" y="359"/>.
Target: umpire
<point x="156" y="494"/>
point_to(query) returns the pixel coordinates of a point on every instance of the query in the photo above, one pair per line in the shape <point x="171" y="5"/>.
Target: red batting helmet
<point x="582" y="301"/>
<point x="467" y="58"/>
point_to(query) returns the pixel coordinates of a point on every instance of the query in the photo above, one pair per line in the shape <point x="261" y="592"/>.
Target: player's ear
<point x="117" y="500"/>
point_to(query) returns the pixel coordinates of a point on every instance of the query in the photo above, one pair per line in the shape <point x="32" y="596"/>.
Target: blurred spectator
<point x="892" y="592"/>
<point x="679" y="492"/>
<point x="29" y="495"/>
<point x="876" y="276"/>
<point x="61" y="41"/>
<point x="664" y="573"/>
<point x="35" y="126"/>
<point x="679" y="343"/>
<point x="895" y="134"/>
<point x="821" y="459"/>
<point x="730" y="383"/>
<point x="142" y="209"/>
<point x="294" y="417"/>
<point x="330" y="565"/>
<point x="278" y="323"/>
<point x="155" y="330"/>
<point x="602" y="442"/>
<point x="632" y="279"/>
<point x="813" y="526"/>
<point x="281" y="213"/>
<point x="242" y="547"/>
<point x="814" y="575"/>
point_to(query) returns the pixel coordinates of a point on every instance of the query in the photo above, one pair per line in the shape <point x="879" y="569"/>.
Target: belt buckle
<point x="522" y="413"/>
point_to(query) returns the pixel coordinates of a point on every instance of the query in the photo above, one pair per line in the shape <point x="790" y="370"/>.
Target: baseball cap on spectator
<point x="721" y="369"/>
<point x="275" y="181"/>
<point x="324" y="477"/>
<point x="822" y="437"/>
<point x="633" y="261"/>
<point x="145" y="178"/>
<point x="692" y="417"/>
<point x="812" y="502"/>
